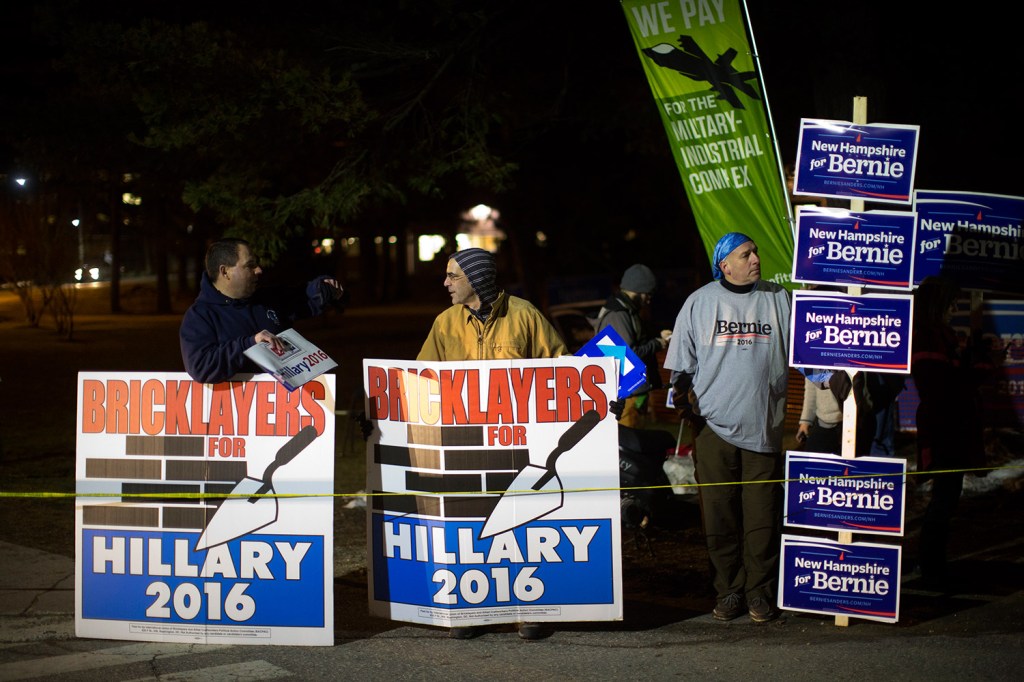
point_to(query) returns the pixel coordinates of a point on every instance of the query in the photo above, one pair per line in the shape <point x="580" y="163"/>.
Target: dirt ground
<point x="665" y="571"/>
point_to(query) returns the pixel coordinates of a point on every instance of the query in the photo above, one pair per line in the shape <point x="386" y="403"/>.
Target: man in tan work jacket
<point x="486" y="324"/>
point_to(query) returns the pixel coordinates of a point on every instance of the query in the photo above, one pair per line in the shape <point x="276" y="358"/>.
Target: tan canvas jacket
<point x="515" y="329"/>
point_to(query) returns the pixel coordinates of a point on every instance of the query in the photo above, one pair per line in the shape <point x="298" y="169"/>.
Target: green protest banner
<point x="709" y="95"/>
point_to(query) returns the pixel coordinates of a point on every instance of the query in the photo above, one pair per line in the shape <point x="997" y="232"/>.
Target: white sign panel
<point x="204" y="511"/>
<point x="494" y="491"/>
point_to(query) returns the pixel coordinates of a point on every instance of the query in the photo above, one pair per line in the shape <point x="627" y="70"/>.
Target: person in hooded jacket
<point x="231" y="314"/>
<point x="486" y="323"/>
<point x="623" y="311"/>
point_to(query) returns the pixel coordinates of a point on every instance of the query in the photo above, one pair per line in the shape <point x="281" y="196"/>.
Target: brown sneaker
<point x="728" y="607"/>
<point x="761" y="610"/>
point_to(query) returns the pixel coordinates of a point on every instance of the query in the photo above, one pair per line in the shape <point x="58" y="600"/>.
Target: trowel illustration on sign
<point x="525" y="499"/>
<point x="691" y="61"/>
<point x="245" y="511"/>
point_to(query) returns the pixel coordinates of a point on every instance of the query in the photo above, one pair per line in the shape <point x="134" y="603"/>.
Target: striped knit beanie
<point x="481" y="271"/>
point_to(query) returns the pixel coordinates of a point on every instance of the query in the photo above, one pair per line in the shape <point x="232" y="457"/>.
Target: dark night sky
<point x="955" y="72"/>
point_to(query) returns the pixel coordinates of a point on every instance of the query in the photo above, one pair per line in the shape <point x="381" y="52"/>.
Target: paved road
<point x="977" y="632"/>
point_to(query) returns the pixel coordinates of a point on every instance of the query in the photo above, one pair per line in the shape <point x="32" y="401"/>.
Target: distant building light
<point x="392" y="239"/>
<point x="378" y="240"/>
<point x="542" y="239"/>
<point x="462" y="241"/>
<point x="323" y="246"/>
<point x="131" y="199"/>
<point x="479" y="223"/>
<point x="480" y="212"/>
<point x="21" y="181"/>
<point x="428" y="245"/>
<point x="76" y="222"/>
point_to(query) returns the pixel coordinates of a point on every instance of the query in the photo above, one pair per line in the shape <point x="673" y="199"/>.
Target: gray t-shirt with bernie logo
<point x="736" y="347"/>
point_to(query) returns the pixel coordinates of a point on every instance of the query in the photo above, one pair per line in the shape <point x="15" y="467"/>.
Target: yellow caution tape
<point x="225" y="496"/>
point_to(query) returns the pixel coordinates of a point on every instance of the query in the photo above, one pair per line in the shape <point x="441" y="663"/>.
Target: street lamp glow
<point x="480" y="212"/>
<point x="21" y="181"/>
<point x="76" y="222"/>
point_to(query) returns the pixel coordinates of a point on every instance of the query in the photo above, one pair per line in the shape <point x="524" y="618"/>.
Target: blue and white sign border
<point x="816" y="176"/>
<point x="987" y="222"/>
<point x="797" y="583"/>
<point x="845" y="494"/>
<point x="803" y="334"/>
<point x="814" y="242"/>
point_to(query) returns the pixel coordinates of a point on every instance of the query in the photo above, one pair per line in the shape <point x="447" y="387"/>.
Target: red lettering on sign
<point x="152" y="395"/>
<point x="543" y="378"/>
<point x="93" y="412"/>
<point x="429" y="397"/>
<point x="453" y="410"/>
<point x="377" y="392"/>
<point x="499" y="397"/>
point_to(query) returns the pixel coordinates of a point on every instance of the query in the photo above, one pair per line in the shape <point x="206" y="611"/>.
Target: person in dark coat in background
<point x="949" y="417"/>
<point x="231" y="314"/>
<point x="623" y="311"/>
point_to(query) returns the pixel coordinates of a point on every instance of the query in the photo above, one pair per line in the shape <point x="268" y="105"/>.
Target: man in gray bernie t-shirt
<point x="729" y="362"/>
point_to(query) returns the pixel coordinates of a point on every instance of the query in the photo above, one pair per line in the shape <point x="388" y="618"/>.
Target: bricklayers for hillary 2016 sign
<point x="494" y="491"/>
<point x="204" y="511"/>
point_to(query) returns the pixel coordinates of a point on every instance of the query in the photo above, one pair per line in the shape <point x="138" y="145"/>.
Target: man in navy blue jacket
<point x="230" y="315"/>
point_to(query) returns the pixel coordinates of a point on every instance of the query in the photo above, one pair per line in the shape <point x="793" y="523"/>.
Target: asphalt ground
<point x="974" y="631"/>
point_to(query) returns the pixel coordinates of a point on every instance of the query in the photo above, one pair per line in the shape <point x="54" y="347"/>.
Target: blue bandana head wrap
<point x="723" y="248"/>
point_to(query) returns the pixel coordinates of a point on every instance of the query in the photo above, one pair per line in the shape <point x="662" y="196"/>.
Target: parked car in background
<point x="86" y="273"/>
<point x="575" y="321"/>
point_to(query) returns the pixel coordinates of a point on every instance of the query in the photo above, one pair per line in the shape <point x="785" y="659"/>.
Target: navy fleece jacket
<point x="217" y="329"/>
